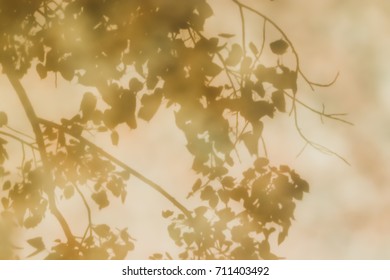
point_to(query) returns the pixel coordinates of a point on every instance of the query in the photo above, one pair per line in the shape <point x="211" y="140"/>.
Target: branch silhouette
<point x="120" y="163"/>
<point x="34" y="121"/>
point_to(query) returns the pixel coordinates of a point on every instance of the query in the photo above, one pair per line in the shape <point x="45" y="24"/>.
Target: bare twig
<point x="320" y="113"/>
<point x="298" y="69"/>
<point x="317" y="146"/>
<point x="31" y="145"/>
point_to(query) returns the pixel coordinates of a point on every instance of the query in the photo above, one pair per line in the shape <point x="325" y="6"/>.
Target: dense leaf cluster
<point x="141" y="55"/>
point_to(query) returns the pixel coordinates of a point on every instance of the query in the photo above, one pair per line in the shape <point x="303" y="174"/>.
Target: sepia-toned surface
<point x="345" y="214"/>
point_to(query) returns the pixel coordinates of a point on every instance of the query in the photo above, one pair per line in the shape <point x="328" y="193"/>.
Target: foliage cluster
<point x="141" y="55"/>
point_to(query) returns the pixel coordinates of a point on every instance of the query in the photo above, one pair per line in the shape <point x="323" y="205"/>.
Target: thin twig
<point x="298" y="69"/>
<point x="317" y="146"/>
<point x="89" y="227"/>
<point x="31" y="145"/>
<point x="19" y="132"/>
<point x="329" y="116"/>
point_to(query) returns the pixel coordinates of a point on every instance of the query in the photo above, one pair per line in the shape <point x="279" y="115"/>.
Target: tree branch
<point x="298" y="69"/>
<point x="119" y="163"/>
<point x="49" y="188"/>
<point x="31" y="145"/>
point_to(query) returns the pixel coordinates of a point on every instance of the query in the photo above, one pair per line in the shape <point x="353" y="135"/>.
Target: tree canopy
<point x="141" y="55"/>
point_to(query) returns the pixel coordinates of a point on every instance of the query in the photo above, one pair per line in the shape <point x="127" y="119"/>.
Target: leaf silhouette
<point x="3" y="119"/>
<point x="235" y="55"/>
<point x="101" y="199"/>
<point x="42" y="72"/>
<point x="37" y="244"/>
<point x="253" y="48"/>
<point x="226" y="35"/>
<point x="102" y="230"/>
<point x="150" y="105"/>
<point x="279" y="47"/>
<point x="167" y="213"/>
<point x="114" y="137"/>
<point x="88" y="105"/>
<point x="279" y="100"/>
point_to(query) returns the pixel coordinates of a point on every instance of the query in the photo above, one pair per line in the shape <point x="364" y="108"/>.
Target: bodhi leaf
<point x="101" y="199"/>
<point x="235" y="55"/>
<point x="102" y="230"/>
<point x="167" y="213"/>
<point x="150" y="104"/>
<point x="42" y="72"/>
<point x="279" y="47"/>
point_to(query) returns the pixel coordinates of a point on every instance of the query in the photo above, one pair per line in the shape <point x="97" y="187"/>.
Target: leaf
<point x="101" y="199"/>
<point x="88" y="104"/>
<point x="37" y="244"/>
<point x="213" y="201"/>
<point x="260" y="163"/>
<point x="253" y="48"/>
<point x="150" y="104"/>
<point x="5" y="202"/>
<point x="68" y="191"/>
<point x="282" y="235"/>
<point x="223" y="195"/>
<point x="279" y="47"/>
<point x="32" y="221"/>
<point x="7" y="185"/>
<point x="135" y="85"/>
<point x="114" y="137"/>
<point x="102" y="230"/>
<point x="228" y="182"/>
<point x="167" y="213"/>
<point x="115" y="187"/>
<point x="189" y="238"/>
<point x="245" y="65"/>
<point x="27" y="167"/>
<point x="284" y="168"/>
<point x="197" y="185"/>
<point x="238" y="193"/>
<point x="66" y="71"/>
<point x="279" y="100"/>
<point x="204" y="9"/>
<point x="3" y="119"/>
<point x="174" y="233"/>
<point x="259" y="89"/>
<point x="42" y="72"/>
<point x="212" y="69"/>
<point x="156" y="256"/>
<point x="235" y="55"/>
<point x="207" y="193"/>
<point x="251" y="141"/>
<point x="226" y="35"/>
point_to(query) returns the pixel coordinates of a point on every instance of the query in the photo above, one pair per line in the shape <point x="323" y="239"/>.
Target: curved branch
<point x="316" y="146"/>
<point x="19" y="132"/>
<point x="49" y="187"/>
<point x="298" y="69"/>
<point x="89" y="213"/>
<point x="320" y="113"/>
<point x="121" y="164"/>
<point x="31" y="145"/>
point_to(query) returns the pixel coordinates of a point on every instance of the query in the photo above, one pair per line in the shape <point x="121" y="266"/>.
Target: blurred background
<point x="346" y="214"/>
